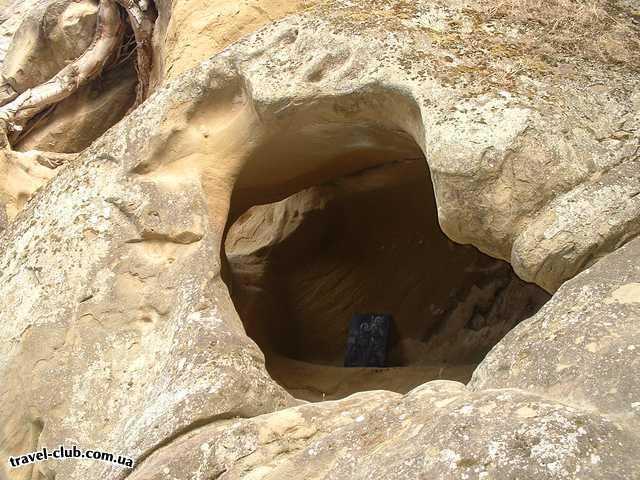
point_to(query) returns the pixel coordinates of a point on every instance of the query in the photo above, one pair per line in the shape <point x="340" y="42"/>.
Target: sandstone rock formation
<point x="120" y="333"/>
<point x="299" y="267"/>
<point x="438" y="430"/>
<point x="193" y="30"/>
<point x="51" y="35"/>
<point x="78" y="120"/>
<point x="582" y="347"/>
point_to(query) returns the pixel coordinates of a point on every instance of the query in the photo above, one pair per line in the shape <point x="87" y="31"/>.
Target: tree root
<point x="142" y="18"/>
<point x="105" y="46"/>
<point x="7" y="93"/>
<point x="107" y="38"/>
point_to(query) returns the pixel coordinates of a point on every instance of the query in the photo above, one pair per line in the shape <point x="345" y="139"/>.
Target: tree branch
<point x="142" y="18"/>
<point x="107" y="38"/>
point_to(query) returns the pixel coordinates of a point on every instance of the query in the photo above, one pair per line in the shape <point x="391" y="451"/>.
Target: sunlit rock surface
<point x="119" y="332"/>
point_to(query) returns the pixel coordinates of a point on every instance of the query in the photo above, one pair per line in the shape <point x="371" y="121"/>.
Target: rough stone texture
<point x="107" y="299"/>
<point x="21" y="175"/>
<point x="190" y="31"/>
<point x="583" y="346"/>
<point x="301" y="267"/>
<point x="438" y="430"/>
<point x="504" y="154"/>
<point x="579" y="227"/>
<point x="506" y="151"/>
<point x="12" y="12"/>
<point x="118" y="332"/>
<point x="88" y="113"/>
<point x="306" y="261"/>
<point x="50" y="35"/>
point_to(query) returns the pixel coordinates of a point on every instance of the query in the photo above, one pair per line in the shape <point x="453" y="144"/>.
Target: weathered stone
<point x="583" y="347"/>
<point x="301" y="267"/>
<point x="190" y="31"/>
<point x="21" y="175"/>
<point x="12" y="12"/>
<point x="118" y="332"/>
<point x="51" y="35"/>
<point x="88" y="113"/>
<point x="137" y="316"/>
<point x="438" y="430"/>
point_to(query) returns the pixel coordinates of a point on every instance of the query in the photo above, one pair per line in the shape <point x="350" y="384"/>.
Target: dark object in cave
<point x="368" y="340"/>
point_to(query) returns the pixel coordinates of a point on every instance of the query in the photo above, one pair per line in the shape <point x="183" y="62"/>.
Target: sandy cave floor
<point x="314" y="383"/>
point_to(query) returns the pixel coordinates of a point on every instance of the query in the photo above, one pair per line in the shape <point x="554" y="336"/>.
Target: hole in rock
<point x="366" y="241"/>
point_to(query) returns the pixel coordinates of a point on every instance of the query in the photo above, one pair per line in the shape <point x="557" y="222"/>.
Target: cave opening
<point x="354" y="234"/>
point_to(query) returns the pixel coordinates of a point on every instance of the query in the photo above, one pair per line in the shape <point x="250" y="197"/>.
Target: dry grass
<point x="512" y="39"/>
<point x="586" y="28"/>
<point x="556" y="15"/>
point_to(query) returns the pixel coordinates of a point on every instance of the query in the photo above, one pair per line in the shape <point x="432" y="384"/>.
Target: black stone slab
<point x="368" y="340"/>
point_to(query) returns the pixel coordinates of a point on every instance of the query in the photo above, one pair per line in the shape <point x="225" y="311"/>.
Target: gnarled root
<point x="7" y="93"/>
<point x="106" y="40"/>
<point x="142" y="18"/>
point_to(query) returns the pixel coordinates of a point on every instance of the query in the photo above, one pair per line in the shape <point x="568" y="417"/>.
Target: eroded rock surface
<point x="190" y="31"/>
<point x="118" y="332"/>
<point x="51" y="35"/>
<point x="301" y="267"/>
<point x="132" y="332"/>
<point x="21" y="175"/>
<point x="12" y="12"/>
<point x="438" y="430"/>
<point x="582" y="347"/>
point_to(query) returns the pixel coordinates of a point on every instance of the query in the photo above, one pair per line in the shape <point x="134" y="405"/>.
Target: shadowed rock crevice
<point x="368" y="242"/>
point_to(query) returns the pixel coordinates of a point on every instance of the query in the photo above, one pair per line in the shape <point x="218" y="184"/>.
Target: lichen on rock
<point x="119" y="326"/>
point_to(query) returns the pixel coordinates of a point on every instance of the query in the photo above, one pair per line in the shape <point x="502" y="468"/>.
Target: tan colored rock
<point x="51" y="35"/>
<point x="119" y="333"/>
<point x="80" y="119"/>
<point x="580" y="227"/>
<point x="21" y="175"/>
<point x="302" y="267"/>
<point x="498" y="130"/>
<point x="12" y="12"/>
<point x="190" y="31"/>
<point x="582" y="348"/>
<point x="135" y="319"/>
<point x="438" y="430"/>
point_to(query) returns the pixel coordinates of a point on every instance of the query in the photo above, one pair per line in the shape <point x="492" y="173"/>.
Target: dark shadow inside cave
<point x="370" y="241"/>
<point x="333" y="217"/>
